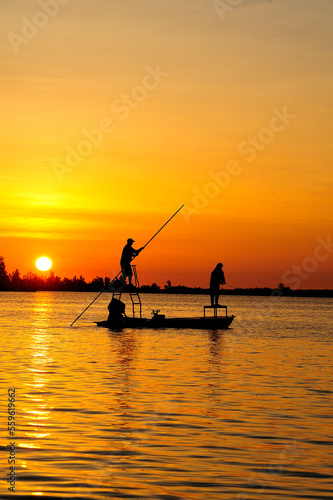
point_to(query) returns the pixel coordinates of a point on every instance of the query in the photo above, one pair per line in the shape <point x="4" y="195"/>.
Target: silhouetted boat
<point x="118" y="319"/>
<point x="202" y="323"/>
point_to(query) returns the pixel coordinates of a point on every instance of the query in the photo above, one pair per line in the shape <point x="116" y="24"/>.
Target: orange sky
<point x="114" y="114"/>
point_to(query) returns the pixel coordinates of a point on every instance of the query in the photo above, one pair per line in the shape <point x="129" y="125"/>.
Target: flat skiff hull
<point x="181" y="323"/>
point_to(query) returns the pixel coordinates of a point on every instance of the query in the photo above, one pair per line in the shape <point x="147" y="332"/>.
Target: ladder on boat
<point x="134" y="294"/>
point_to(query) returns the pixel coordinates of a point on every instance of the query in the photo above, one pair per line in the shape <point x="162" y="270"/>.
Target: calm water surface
<point x="244" y="413"/>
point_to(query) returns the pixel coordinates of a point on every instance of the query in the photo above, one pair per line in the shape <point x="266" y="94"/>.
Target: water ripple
<point x="168" y="415"/>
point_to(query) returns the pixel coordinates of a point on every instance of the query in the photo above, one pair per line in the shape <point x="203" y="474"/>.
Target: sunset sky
<point x="115" y="113"/>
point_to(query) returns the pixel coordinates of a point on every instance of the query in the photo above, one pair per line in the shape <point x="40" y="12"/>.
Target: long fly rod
<point x="254" y="300"/>
<point x="167" y="222"/>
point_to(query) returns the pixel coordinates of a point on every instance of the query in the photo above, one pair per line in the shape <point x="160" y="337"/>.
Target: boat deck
<point x="211" y="323"/>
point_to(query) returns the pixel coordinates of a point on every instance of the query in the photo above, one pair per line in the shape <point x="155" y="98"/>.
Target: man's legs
<point x="127" y="273"/>
<point x="214" y="297"/>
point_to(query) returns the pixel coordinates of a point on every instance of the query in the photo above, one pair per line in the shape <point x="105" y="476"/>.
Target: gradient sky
<point x="225" y="109"/>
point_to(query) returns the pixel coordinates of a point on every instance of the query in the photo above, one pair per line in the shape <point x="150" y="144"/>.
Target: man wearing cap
<point x="127" y="256"/>
<point x="216" y="278"/>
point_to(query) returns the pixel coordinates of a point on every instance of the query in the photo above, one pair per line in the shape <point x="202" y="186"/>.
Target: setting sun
<point x="43" y="263"/>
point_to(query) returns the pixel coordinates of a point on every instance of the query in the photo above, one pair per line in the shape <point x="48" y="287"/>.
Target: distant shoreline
<point x="31" y="282"/>
<point x="260" y="292"/>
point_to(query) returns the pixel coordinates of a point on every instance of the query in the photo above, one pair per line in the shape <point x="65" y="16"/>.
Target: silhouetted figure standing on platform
<point x="127" y="256"/>
<point x="216" y="279"/>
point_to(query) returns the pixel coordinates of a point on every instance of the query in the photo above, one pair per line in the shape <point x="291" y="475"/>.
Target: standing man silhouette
<point x="127" y="256"/>
<point x="216" y="279"/>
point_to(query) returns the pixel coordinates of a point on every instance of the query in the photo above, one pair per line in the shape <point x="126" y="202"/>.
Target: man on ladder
<point x="127" y="256"/>
<point x="128" y="270"/>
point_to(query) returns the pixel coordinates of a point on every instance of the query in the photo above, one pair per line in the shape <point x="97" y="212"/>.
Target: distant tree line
<point x="32" y="282"/>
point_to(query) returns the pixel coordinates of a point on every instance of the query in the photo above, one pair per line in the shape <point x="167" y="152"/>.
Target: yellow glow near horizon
<point x="43" y="263"/>
<point x="230" y="115"/>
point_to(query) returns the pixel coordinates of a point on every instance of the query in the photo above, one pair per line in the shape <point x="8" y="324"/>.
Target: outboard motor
<point x="116" y="313"/>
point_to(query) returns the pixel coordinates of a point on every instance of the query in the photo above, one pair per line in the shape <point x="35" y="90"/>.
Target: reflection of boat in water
<point x="118" y="320"/>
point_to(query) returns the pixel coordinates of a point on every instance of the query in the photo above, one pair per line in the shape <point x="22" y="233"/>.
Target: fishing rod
<point x="167" y="222"/>
<point x="230" y="286"/>
<point x="254" y="300"/>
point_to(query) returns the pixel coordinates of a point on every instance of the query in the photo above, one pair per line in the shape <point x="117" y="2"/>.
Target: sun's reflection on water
<point x="35" y="410"/>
